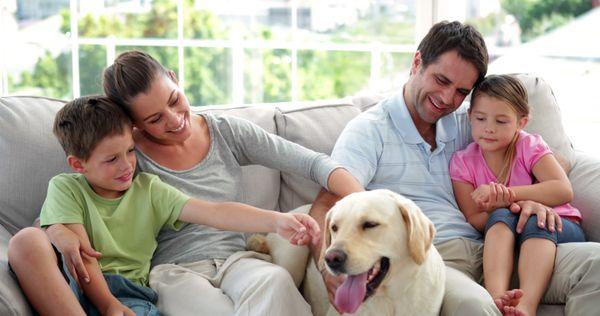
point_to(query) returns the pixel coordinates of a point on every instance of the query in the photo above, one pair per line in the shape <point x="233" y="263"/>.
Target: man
<point x="404" y="144"/>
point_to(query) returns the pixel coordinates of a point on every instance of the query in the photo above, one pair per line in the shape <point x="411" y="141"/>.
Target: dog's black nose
<point x="335" y="259"/>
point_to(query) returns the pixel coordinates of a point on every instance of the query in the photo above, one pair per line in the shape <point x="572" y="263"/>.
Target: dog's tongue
<point x="351" y="293"/>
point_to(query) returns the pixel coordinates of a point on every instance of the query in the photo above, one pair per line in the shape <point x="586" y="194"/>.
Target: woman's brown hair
<point x="508" y="89"/>
<point x="132" y="73"/>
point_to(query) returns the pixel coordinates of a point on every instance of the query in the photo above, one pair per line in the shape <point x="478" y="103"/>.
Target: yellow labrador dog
<point x="382" y="242"/>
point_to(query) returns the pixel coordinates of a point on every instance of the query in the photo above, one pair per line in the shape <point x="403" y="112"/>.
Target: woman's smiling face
<point x="163" y="112"/>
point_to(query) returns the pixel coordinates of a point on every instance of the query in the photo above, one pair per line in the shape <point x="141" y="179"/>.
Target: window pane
<point x="49" y="74"/>
<point x="92" y="61"/>
<point x="208" y="76"/>
<point x="394" y="71"/>
<point x="243" y="19"/>
<point x="363" y="21"/>
<point x="37" y="52"/>
<point x="332" y="74"/>
<point x="128" y="19"/>
<point x="552" y="40"/>
<point x="267" y="75"/>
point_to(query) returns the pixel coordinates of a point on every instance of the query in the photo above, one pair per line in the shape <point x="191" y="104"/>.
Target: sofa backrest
<point x="317" y="126"/>
<point x="260" y="185"/>
<point x="546" y="118"/>
<point x="30" y="155"/>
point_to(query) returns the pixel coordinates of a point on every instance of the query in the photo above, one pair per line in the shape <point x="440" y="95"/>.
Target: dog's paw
<point x="258" y="243"/>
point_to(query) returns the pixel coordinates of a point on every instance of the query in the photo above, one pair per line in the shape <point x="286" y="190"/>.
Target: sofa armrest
<point x="12" y="300"/>
<point x="585" y="179"/>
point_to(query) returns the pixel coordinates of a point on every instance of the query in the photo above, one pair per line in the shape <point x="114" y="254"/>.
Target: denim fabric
<point x="571" y="232"/>
<point x="140" y="299"/>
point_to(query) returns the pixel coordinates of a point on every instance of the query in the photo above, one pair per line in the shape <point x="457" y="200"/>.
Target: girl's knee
<point x="502" y="212"/>
<point x="501" y="216"/>
<point x="531" y="230"/>
<point x="531" y="227"/>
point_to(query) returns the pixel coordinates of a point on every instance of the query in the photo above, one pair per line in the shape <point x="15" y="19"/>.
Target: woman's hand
<point x="490" y="197"/>
<point x="299" y="229"/>
<point x="69" y="245"/>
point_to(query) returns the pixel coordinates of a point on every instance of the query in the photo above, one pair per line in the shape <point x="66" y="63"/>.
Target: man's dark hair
<point x="464" y="39"/>
<point x="132" y="73"/>
<point x="81" y="124"/>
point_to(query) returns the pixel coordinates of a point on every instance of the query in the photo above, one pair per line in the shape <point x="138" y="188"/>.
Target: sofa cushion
<point x="585" y="178"/>
<point x="545" y="117"/>
<point x="317" y="126"/>
<point x="260" y="185"/>
<point x="30" y="156"/>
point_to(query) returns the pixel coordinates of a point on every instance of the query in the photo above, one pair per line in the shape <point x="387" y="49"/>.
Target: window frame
<point x="425" y="17"/>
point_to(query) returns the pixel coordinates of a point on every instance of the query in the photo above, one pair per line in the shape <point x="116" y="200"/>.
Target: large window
<point x="237" y="51"/>
<point x="255" y="51"/>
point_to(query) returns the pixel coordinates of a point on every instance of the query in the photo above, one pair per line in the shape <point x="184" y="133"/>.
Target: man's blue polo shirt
<point x="383" y="150"/>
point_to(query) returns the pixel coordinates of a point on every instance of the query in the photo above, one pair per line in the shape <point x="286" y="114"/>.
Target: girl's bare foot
<point x="509" y="299"/>
<point x="512" y="311"/>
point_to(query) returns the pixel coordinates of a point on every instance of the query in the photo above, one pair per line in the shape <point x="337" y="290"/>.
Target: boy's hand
<point x="299" y="229"/>
<point x="69" y="245"/>
<point x="118" y="309"/>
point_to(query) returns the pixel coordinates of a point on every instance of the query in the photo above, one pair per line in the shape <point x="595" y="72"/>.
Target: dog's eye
<point x="367" y="225"/>
<point x="334" y="228"/>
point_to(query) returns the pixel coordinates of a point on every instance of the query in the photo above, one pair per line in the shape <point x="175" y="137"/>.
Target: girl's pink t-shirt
<point x="469" y="166"/>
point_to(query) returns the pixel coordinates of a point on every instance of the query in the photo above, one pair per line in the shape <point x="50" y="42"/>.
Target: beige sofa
<point x="30" y="156"/>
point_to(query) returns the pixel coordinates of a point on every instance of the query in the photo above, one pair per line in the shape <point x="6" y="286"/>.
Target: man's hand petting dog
<point x="332" y="283"/>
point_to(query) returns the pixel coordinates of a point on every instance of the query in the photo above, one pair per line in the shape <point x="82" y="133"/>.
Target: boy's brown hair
<point x="131" y="74"/>
<point x="82" y="123"/>
<point x="447" y="36"/>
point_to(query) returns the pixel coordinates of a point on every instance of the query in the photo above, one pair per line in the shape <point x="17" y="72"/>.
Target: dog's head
<point x="368" y="232"/>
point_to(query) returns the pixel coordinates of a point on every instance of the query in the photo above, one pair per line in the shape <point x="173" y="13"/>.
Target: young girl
<point x="505" y="164"/>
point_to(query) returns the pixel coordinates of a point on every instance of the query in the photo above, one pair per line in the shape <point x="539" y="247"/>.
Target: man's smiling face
<point x="440" y="88"/>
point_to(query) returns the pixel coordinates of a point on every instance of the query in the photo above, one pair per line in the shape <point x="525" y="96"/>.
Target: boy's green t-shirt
<point x="124" y="230"/>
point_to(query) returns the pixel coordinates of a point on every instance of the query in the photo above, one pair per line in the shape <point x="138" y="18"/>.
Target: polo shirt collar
<point x="446" y="127"/>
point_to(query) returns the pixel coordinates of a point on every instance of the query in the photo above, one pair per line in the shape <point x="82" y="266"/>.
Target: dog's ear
<point x="419" y="229"/>
<point x="325" y="242"/>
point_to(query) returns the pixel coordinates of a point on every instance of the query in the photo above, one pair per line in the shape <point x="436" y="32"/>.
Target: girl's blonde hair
<point x="509" y="89"/>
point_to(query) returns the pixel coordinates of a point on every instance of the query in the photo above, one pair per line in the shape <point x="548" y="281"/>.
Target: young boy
<point x="122" y="213"/>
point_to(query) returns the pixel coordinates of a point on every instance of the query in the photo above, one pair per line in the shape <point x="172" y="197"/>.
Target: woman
<point x="202" y="155"/>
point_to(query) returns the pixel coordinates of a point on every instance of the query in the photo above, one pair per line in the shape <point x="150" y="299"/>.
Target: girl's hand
<point x="299" y="229"/>
<point x="490" y="197"/>
<point x="481" y="195"/>
<point x="69" y="245"/>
